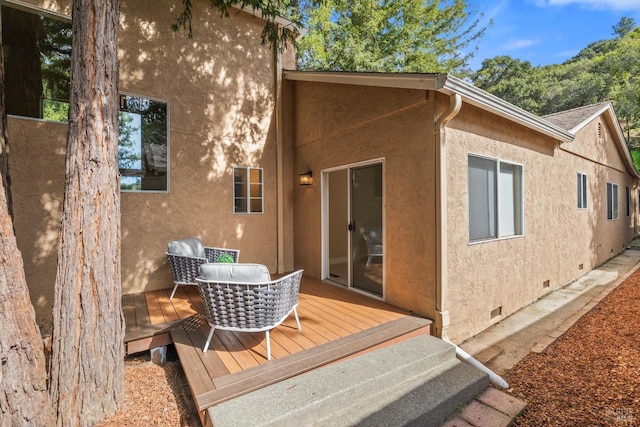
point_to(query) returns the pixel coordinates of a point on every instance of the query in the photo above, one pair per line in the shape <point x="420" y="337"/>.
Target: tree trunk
<point x="87" y="362"/>
<point x="23" y="377"/>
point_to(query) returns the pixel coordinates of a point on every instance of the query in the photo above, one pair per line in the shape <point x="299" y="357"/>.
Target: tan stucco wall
<point x="558" y="237"/>
<point x="220" y="90"/>
<point x="338" y="125"/>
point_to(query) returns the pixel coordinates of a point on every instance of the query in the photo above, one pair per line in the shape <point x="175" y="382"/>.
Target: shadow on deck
<point x="336" y="324"/>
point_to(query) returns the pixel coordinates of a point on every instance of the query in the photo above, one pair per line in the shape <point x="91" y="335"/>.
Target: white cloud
<point x="520" y="44"/>
<point x="619" y="5"/>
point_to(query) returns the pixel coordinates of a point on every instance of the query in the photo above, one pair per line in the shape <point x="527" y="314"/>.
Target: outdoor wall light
<point x="306" y="178"/>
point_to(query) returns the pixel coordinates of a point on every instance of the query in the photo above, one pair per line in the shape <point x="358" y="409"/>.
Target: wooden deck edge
<point x="150" y="331"/>
<point x="231" y="386"/>
<point x="194" y="370"/>
<point x="151" y="336"/>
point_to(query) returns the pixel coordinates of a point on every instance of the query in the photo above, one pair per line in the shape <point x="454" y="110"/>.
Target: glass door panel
<point x="366" y="229"/>
<point x="338" y="200"/>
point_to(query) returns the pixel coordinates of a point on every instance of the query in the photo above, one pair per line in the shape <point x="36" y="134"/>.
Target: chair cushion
<point x="224" y="273"/>
<point x="187" y="247"/>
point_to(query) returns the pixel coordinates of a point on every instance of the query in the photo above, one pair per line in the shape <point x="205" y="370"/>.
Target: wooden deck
<point x="336" y="324"/>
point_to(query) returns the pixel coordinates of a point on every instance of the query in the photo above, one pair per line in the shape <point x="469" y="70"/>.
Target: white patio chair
<point x="373" y="239"/>
<point x="242" y="297"/>
<point x="187" y="255"/>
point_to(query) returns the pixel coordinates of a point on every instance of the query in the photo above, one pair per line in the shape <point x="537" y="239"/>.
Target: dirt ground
<point x="590" y="376"/>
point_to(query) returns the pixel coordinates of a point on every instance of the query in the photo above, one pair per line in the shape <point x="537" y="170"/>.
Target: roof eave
<point x="583" y="123"/>
<point x="400" y="81"/>
<point x="486" y="101"/>
<point x="621" y="140"/>
<point x="279" y="20"/>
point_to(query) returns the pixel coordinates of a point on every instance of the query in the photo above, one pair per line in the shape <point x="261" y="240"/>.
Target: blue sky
<point x="547" y="31"/>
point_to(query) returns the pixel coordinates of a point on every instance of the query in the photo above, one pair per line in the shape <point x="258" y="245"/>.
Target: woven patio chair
<point x="187" y="255"/>
<point x="242" y="297"/>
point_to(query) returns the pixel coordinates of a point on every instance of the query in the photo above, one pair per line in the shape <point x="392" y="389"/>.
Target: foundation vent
<point x="496" y="312"/>
<point x="546" y="284"/>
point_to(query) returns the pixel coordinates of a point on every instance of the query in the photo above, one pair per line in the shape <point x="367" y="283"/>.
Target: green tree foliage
<point x="389" y="35"/>
<point x="277" y="36"/>
<point x="604" y="70"/>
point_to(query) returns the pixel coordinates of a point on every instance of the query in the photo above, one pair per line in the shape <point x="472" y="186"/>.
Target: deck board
<point x="335" y="324"/>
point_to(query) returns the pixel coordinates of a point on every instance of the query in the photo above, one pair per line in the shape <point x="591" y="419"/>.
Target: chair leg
<point x="206" y="345"/>
<point x="175" y="288"/>
<point x="295" y="311"/>
<point x="268" y="345"/>
<point x="369" y="261"/>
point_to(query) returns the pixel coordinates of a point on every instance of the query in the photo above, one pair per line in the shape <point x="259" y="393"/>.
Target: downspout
<point x="442" y="312"/>
<point x="279" y="162"/>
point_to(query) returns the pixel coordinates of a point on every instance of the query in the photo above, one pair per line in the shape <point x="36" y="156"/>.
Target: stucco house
<point x="482" y="207"/>
<point x="427" y="193"/>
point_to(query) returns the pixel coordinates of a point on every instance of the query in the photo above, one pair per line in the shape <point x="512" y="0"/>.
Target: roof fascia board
<point x="400" y="81"/>
<point x="621" y="141"/>
<point x="587" y="120"/>
<point x="502" y="108"/>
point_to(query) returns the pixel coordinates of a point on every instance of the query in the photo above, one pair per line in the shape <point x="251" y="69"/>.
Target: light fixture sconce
<point x="306" y="178"/>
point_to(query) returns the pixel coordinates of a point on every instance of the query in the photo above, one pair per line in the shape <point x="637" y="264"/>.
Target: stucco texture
<point x="339" y="125"/>
<point x="560" y="242"/>
<point x="220" y="90"/>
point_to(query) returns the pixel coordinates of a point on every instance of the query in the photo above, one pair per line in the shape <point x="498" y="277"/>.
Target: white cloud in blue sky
<point x="594" y="4"/>
<point x="520" y="44"/>
<point x="547" y="31"/>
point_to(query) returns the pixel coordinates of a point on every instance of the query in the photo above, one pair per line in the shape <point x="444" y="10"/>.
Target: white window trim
<point x="498" y="237"/>
<point x="247" y="169"/>
<point x="586" y="185"/>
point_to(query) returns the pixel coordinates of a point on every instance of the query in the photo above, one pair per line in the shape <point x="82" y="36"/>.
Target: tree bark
<point x="87" y="363"/>
<point x="23" y="377"/>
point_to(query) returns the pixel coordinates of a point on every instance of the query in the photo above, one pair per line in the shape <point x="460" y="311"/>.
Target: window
<point x="628" y="194"/>
<point x="37" y="61"/>
<point x="612" y="201"/>
<point x="247" y="190"/>
<point x="495" y="199"/>
<point x="582" y="191"/>
<point x="143" y="142"/>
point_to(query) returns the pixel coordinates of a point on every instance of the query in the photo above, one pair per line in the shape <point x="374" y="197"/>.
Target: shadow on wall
<point x="220" y="86"/>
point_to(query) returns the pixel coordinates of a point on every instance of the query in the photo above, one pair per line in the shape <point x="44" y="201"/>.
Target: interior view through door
<point x="354" y="212"/>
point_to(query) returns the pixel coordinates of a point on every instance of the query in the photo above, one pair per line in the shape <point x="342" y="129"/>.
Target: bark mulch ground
<point x="154" y="396"/>
<point x="590" y="376"/>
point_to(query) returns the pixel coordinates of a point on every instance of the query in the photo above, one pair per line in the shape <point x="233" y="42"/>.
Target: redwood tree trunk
<point x="23" y="377"/>
<point x="87" y="363"/>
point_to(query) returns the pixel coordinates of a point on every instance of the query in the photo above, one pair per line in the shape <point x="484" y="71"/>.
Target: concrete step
<point x="415" y="382"/>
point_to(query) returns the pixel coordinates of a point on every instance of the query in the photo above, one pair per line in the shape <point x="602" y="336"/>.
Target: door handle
<point x="352" y="226"/>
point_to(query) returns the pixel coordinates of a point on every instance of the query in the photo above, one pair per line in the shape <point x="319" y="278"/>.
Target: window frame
<point x="518" y="201"/>
<point x="168" y="119"/>
<point x="613" y="202"/>
<point x="247" y="197"/>
<point x="628" y="200"/>
<point x="42" y="13"/>
<point x="583" y="191"/>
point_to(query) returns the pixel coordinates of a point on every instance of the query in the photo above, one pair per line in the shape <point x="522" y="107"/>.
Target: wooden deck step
<point x="211" y="383"/>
